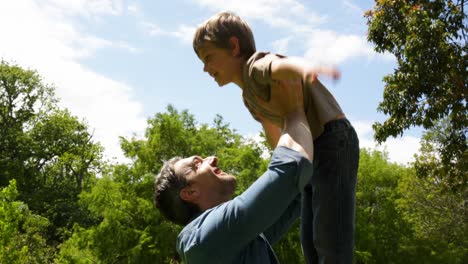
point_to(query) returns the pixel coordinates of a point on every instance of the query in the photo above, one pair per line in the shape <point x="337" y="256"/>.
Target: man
<point x="218" y="229"/>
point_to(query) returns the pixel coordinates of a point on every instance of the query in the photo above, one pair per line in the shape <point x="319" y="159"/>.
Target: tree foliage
<point x="46" y="150"/>
<point x="23" y="233"/>
<point x="450" y="175"/>
<point x="401" y="218"/>
<point x="24" y="99"/>
<point x="381" y="230"/>
<point x="438" y="218"/>
<point x="428" y="39"/>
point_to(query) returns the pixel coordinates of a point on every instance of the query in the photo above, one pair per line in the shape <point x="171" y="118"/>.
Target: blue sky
<point x="116" y="63"/>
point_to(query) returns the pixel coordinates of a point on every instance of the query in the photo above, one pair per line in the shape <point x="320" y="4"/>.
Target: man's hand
<point x="286" y="97"/>
<point x="287" y="101"/>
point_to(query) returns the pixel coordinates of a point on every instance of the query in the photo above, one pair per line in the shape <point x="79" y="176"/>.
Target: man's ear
<point x="235" y="46"/>
<point x="189" y="193"/>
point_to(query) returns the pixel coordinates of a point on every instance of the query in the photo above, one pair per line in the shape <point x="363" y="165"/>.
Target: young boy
<point x="225" y="45"/>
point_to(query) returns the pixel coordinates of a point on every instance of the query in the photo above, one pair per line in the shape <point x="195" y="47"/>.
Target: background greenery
<point x="60" y="202"/>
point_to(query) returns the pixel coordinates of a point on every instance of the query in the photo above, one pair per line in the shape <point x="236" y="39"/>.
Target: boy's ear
<point x="189" y="194"/>
<point x="234" y="45"/>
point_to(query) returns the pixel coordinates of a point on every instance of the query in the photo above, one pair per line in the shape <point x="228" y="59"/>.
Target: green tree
<point x="22" y="239"/>
<point x="47" y="151"/>
<point x="450" y="175"/>
<point x="402" y="218"/>
<point x="428" y="39"/>
<point x="438" y="217"/>
<point x="436" y="209"/>
<point x="382" y="233"/>
<point x="24" y="99"/>
<point x="63" y="162"/>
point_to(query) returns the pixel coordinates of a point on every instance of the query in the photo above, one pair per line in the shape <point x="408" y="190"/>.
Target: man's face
<point x="219" y="63"/>
<point x="214" y="185"/>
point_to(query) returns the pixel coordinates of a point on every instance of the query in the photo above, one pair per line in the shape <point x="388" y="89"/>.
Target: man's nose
<point x="212" y="160"/>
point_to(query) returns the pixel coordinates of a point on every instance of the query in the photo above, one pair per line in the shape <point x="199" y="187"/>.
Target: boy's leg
<point x="307" y="233"/>
<point x="328" y="215"/>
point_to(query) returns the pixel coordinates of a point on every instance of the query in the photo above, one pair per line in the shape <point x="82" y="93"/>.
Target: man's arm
<point x="296" y="134"/>
<point x="272" y="133"/>
<point x="230" y="227"/>
<point x="288" y="102"/>
<point x="282" y="225"/>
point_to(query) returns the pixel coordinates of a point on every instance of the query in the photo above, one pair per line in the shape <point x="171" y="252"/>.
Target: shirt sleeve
<point x="260" y="70"/>
<point x="231" y="226"/>
<point x="258" y="84"/>
<point x="276" y="231"/>
<point x="260" y="67"/>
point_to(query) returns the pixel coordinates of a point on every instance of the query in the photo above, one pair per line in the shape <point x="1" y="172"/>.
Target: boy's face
<point x="220" y="63"/>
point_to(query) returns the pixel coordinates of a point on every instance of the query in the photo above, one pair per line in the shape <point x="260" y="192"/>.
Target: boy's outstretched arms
<point x="298" y="69"/>
<point x="293" y="71"/>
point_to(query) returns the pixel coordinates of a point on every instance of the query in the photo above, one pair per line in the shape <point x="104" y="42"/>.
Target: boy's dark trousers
<point x="329" y="201"/>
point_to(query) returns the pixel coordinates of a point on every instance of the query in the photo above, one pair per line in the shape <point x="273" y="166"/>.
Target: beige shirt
<point x="319" y="104"/>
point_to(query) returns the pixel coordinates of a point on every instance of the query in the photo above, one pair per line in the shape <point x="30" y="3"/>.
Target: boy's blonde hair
<point x="220" y="28"/>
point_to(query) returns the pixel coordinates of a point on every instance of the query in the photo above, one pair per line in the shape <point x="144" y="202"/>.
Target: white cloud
<point x="329" y="47"/>
<point x="278" y="13"/>
<point x="34" y="37"/>
<point x="84" y="7"/>
<point x="133" y="8"/>
<point x="281" y="45"/>
<point x="153" y="29"/>
<point x="184" y="33"/>
<point x="353" y="7"/>
<point x="400" y="150"/>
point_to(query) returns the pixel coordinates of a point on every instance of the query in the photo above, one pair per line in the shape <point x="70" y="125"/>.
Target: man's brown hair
<point x="166" y="195"/>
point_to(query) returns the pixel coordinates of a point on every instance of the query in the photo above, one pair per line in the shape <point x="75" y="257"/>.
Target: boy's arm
<point x="295" y="69"/>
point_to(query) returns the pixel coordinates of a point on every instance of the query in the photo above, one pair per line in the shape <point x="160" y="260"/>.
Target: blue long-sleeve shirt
<point x="241" y="230"/>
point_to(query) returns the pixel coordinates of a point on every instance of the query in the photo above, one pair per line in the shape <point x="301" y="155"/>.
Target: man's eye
<point x="188" y="171"/>
<point x="196" y="163"/>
